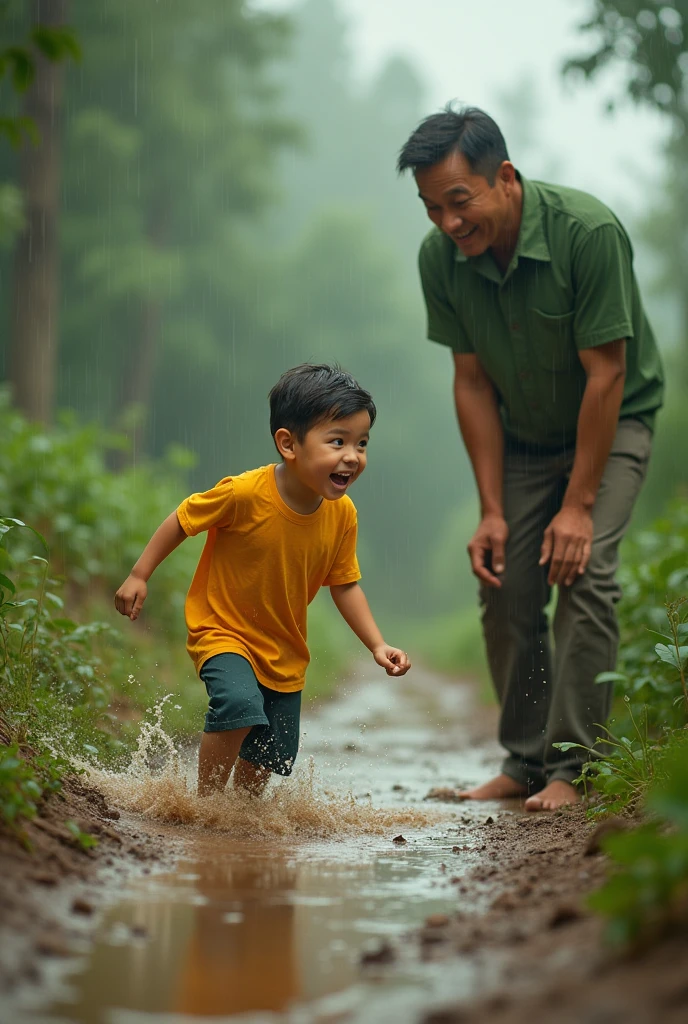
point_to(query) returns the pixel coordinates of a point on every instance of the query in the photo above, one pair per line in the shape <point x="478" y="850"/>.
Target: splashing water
<point x="297" y="807"/>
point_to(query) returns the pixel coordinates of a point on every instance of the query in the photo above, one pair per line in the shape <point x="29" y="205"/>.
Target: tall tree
<point x="648" y="40"/>
<point x="172" y="132"/>
<point x="39" y="72"/>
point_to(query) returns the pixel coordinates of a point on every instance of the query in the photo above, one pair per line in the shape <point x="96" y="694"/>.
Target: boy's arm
<point x="353" y="607"/>
<point x="131" y="595"/>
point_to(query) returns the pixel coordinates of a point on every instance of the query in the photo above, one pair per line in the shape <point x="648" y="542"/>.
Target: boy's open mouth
<point x="340" y="479"/>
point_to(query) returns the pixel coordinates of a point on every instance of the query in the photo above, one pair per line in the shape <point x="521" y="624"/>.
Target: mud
<point x="50" y="886"/>
<point x="383" y="907"/>
<point x="555" y="965"/>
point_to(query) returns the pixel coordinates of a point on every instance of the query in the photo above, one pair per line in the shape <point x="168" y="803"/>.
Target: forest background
<point x="215" y="201"/>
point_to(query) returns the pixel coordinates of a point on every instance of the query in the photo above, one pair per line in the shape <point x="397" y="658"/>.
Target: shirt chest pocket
<point x="551" y="338"/>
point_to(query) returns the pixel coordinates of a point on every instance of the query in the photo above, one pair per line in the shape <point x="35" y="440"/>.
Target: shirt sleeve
<point x="201" y="512"/>
<point x="345" y="568"/>
<point x="443" y="325"/>
<point x="603" y="269"/>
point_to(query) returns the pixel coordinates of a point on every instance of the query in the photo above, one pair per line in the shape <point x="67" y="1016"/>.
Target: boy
<point x="275" y="536"/>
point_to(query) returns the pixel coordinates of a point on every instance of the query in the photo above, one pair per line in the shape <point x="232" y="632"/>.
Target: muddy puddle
<point x="268" y="921"/>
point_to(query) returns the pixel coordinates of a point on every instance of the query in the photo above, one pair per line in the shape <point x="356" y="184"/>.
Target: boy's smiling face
<point x="331" y="456"/>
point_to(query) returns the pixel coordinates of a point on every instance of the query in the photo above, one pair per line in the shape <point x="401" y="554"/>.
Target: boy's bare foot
<point x="557" y="794"/>
<point x="500" y="788"/>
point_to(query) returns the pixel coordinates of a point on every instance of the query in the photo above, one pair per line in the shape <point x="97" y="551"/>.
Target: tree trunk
<point x="33" y="353"/>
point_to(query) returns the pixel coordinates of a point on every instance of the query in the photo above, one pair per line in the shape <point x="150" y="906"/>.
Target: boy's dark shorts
<point x="238" y="700"/>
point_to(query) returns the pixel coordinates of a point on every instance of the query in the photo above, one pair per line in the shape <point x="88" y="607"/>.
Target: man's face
<point x="475" y="215"/>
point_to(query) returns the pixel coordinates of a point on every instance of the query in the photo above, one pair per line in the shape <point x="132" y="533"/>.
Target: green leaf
<point x="15" y="129"/>
<point x="23" y="67"/>
<point x="7" y="583"/>
<point x="56" y="43"/>
<point x="66" y="625"/>
<point x="7" y="524"/>
<point x="611" y="677"/>
<point x="671" y="656"/>
<point x="569" y="746"/>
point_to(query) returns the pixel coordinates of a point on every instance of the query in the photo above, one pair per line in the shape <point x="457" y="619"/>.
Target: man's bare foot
<point x="500" y="788"/>
<point x="557" y="794"/>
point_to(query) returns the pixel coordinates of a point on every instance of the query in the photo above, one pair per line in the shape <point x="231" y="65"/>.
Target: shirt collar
<point x="532" y="241"/>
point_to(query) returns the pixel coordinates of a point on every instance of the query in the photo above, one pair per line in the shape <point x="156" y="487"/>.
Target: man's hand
<point x="489" y="538"/>
<point x="566" y="545"/>
<point x="393" y="661"/>
<point x="130" y="596"/>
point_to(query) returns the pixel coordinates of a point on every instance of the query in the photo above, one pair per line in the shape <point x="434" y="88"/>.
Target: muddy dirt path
<point x="316" y="908"/>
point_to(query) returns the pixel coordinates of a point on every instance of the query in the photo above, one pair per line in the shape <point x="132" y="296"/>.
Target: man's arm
<point x="483" y="435"/>
<point x="353" y="607"/>
<point x="568" y="538"/>
<point x="131" y="595"/>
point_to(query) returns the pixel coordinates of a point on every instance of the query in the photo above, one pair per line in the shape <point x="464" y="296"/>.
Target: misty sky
<point x="475" y="51"/>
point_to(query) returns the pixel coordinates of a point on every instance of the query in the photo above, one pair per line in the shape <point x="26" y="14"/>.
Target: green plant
<point x="26" y="778"/>
<point x="620" y="768"/>
<point x="94" y="521"/>
<point x="83" y="839"/>
<point x="625" y="761"/>
<point x="655" y="570"/>
<point x="20" y="790"/>
<point x="648" y="892"/>
<point x="52" y="679"/>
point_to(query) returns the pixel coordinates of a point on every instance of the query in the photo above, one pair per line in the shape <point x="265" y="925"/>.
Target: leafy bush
<point x="654" y="577"/>
<point x="52" y="679"/>
<point x="626" y="760"/>
<point x="24" y="782"/>
<point x="648" y="892"/>
<point x="95" y="521"/>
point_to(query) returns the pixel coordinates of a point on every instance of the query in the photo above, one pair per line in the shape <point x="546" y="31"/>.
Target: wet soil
<point x="554" y="963"/>
<point x="464" y="913"/>
<point x="50" y="885"/>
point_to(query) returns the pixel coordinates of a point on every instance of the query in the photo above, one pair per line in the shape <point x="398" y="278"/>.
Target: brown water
<point x="272" y="902"/>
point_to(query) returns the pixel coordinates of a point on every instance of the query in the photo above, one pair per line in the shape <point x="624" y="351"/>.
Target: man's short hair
<point x="469" y="131"/>
<point x="313" y="392"/>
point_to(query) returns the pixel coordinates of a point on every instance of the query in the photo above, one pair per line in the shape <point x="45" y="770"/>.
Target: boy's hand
<point x="393" y="661"/>
<point x="130" y="597"/>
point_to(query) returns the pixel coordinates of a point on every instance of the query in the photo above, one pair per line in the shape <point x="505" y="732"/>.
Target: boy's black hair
<point x="469" y="131"/>
<point x="313" y="392"/>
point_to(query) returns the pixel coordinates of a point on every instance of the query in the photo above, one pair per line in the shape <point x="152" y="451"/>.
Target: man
<point x="557" y="380"/>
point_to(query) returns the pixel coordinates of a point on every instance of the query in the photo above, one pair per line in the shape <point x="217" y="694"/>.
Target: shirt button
<point x="515" y="326"/>
<point x="524" y="375"/>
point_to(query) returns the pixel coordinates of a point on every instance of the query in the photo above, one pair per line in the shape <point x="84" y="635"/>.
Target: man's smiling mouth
<point x="467" y="234"/>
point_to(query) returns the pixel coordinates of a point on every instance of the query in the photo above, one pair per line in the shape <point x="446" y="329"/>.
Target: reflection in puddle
<point x="242" y="930"/>
<point x="268" y="929"/>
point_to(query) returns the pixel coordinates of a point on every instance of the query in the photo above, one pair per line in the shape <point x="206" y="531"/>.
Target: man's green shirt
<point x="570" y="286"/>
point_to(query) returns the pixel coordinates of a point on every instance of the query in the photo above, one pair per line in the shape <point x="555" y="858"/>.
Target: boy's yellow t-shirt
<point x="261" y="566"/>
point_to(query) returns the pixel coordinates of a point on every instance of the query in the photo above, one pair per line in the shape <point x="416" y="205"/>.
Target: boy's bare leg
<point x="219" y="751"/>
<point x="252" y="777"/>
